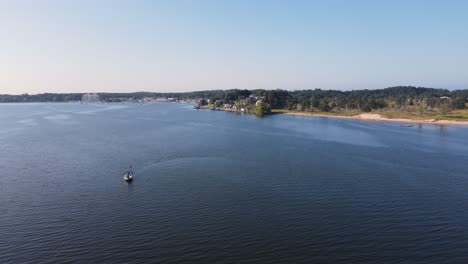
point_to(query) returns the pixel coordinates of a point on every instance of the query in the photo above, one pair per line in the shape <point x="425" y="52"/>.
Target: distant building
<point x="90" y="98"/>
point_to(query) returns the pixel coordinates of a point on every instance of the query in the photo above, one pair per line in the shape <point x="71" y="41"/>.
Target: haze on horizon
<point x="174" y="45"/>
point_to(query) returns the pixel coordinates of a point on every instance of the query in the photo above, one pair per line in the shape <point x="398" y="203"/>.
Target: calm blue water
<point x="216" y="187"/>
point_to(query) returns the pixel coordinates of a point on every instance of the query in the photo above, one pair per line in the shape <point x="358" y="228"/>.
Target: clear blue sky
<point x="83" y="46"/>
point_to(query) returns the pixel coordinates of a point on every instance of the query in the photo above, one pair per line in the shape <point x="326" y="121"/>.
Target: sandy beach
<point x="378" y="117"/>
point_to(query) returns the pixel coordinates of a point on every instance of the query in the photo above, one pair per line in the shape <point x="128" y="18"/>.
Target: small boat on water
<point x="128" y="175"/>
<point x="406" y="125"/>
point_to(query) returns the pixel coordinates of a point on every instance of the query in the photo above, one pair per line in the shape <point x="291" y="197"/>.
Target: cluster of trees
<point x="106" y="97"/>
<point x="362" y="100"/>
<point x="46" y="97"/>
<point x="262" y="109"/>
<point x="304" y="100"/>
<point x="402" y="97"/>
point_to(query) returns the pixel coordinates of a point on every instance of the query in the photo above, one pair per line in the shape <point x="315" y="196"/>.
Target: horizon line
<point x="289" y="90"/>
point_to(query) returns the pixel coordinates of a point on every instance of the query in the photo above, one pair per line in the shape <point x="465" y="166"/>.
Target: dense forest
<point x="363" y="100"/>
<point x="303" y="100"/>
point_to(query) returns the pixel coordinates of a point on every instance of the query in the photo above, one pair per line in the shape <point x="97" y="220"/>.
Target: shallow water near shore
<point x="218" y="187"/>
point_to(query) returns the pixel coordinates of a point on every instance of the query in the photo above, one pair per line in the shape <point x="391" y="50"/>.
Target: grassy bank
<point x="455" y="115"/>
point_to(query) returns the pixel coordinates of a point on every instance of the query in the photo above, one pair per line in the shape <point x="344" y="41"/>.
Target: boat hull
<point x="128" y="178"/>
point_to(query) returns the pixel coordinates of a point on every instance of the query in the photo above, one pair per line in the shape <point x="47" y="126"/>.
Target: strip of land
<point x="374" y="117"/>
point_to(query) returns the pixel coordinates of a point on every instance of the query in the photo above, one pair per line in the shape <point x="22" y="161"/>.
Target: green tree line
<point x="303" y="100"/>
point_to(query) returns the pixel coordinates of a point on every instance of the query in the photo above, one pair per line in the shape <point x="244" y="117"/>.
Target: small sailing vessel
<point x="128" y="175"/>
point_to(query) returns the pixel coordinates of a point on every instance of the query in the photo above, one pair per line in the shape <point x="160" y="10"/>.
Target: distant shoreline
<point x="380" y="118"/>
